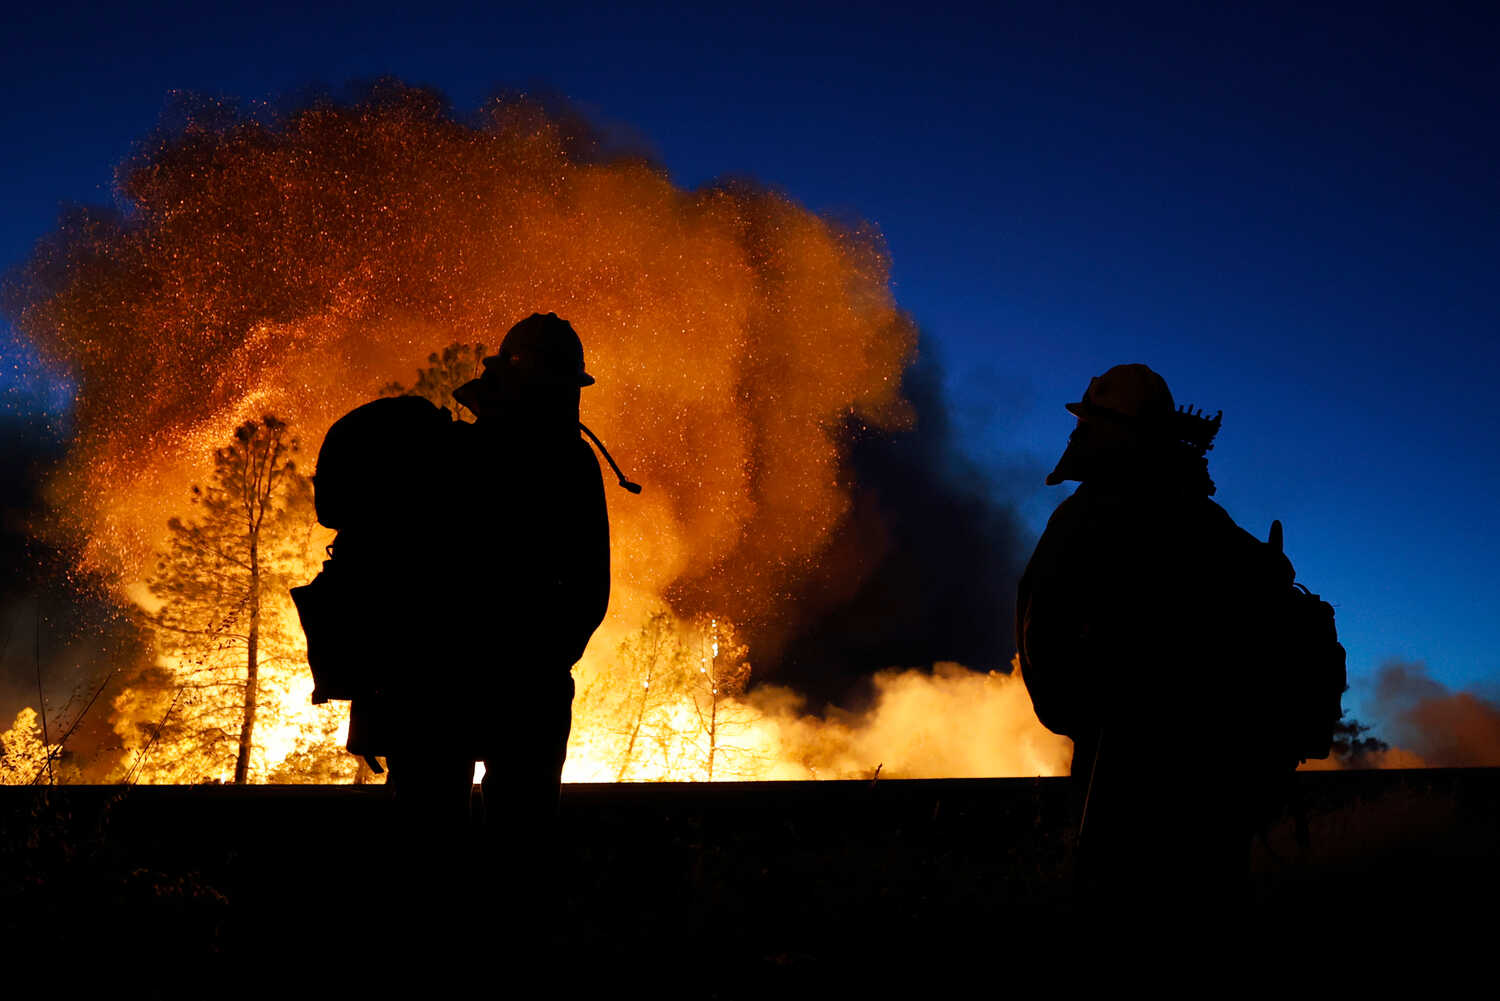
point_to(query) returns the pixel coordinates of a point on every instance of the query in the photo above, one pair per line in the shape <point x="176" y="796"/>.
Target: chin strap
<point x="634" y="488"/>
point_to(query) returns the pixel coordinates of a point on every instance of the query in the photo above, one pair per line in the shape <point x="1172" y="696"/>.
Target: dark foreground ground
<point x="674" y="890"/>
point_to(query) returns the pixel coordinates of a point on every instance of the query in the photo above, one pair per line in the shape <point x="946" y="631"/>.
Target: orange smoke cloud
<point x="1424" y="725"/>
<point x="1425" y="719"/>
<point x="294" y="265"/>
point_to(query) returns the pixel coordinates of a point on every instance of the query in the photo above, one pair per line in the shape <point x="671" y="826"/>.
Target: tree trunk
<point x="713" y="719"/>
<point x="640" y="717"/>
<point x="252" y="673"/>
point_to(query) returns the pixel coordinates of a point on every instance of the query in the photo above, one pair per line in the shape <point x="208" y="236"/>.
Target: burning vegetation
<point x="267" y="272"/>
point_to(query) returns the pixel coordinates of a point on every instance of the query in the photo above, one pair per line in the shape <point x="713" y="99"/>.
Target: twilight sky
<point x="1292" y="215"/>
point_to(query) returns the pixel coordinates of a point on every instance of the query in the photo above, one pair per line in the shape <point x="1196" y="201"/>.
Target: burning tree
<point x="231" y="654"/>
<point x="24" y="754"/>
<point x="670" y="707"/>
<point x="723" y="674"/>
<point x="655" y="657"/>
<point x="630" y="717"/>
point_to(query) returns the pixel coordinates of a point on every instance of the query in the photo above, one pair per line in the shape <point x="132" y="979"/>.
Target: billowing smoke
<point x="928" y="558"/>
<point x="950" y="722"/>
<point x="1421" y="717"/>
<point x="1418" y="722"/>
<point x="755" y="372"/>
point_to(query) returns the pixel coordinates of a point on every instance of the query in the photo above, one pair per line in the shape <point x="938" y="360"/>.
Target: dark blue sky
<point x="1290" y="214"/>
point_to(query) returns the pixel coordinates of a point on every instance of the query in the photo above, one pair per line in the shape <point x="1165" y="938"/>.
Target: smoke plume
<point x="1424" y="718"/>
<point x="927" y="561"/>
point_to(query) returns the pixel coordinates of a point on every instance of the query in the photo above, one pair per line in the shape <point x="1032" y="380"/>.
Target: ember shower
<point x="296" y="263"/>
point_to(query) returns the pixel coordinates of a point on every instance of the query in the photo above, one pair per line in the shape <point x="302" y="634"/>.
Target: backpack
<point x="340" y="649"/>
<point x="369" y="477"/>
<point x="370" y="463"/>
<point x="1311" y="677"/>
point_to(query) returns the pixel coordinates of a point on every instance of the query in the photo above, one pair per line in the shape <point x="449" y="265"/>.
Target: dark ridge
<point x="780" y="879"/>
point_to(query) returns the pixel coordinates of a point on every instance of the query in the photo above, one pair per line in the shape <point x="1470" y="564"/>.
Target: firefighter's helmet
<point x="1132" y="392"/>
<point x="541" y="349"/>
<point x="1127" y="403"/>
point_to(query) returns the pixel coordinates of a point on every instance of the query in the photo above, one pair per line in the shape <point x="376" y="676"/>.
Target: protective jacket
<point x="531" y="579"/>
<point x="1137" y="605"/>
<point x="475" y="606"/>
<point x="1137" y="626"/>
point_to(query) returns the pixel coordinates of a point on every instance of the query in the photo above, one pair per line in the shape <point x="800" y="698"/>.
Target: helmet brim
<point x="1086" y="411"/>
<point x="584" y="379"/>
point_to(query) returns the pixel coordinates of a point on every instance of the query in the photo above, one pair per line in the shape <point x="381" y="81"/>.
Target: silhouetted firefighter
<point x="470" y="570"/>
<point x="534" y="581"/>
<point x="1174" y="649"/>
